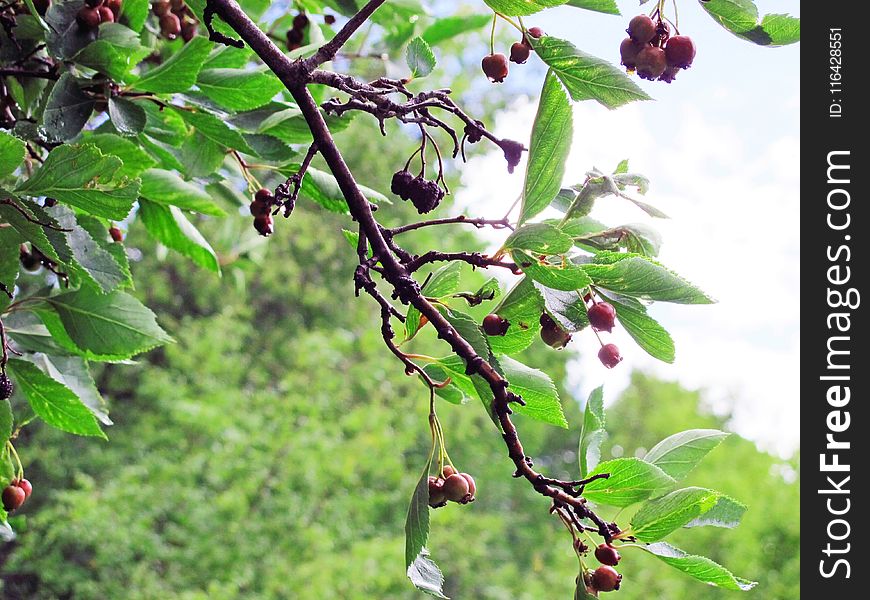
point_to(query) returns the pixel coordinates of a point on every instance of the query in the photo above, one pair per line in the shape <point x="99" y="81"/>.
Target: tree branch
<point x="328" y="51"/>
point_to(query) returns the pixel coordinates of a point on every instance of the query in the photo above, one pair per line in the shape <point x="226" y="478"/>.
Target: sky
<point x="720" y="146"/>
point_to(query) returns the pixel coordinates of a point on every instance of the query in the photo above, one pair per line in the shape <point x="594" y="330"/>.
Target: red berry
<point x="651" y="62"/>
<point x="177" y="5"/>
<point x="607" y="555"/>
<point x="106" y="14"/>
<point x="606" y="579"/>
<point x="88" y="18"/>
<point x="13" y="497"/>
<point x="188" y="30"/>
<point x="456" y="487"/>
<point x="436" y="492"/>
<point x="680" y="51"/>
<point x="170" y="26"/>
<point x="162" y="8"/>
<point x="520" y="52"/>
<point x="93" y="3"/>
<point x="114" y="6"/>
<point x="602" y="316"/>
<point x="26" y="486"/>
<point x="447" y="471"/>
<point x="116" y="234"/>
<point x="628" y="51"/>
<point x="263" y="225"/>
<point x="642" y="29"/>
<point x="495" y="325"/>
<point x="670" y="74"/>
<point x="472" y="487"/>
<point x="609" y="355"/>
<point x="535" y="32"/>
<point x="264" y="195"/>
<point x="553" y="335"/>
<point x="495" y="66"/>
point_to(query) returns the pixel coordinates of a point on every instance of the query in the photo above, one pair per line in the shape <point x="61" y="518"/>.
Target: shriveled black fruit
<point x="329" y="19"/>
<point x="609" y="355"/>
<point x="520" y="52"/>
<point x="41" y="6"/>
<point x="401" y="184"/>
<point x="437" y="498"/>
<point x="106" y="14"/>
<point x="680" y="51"/>
<point x="606" y="579"/>
<point x="456" y="487"/>
<point x="642" y="29"/>
<point x="29" y="261"/>
<point x="651" y="62"/>
<point x="602" y="316"/>
<point x="607" y="555"/>
<point x="13" y="497"/>
<point x="474" y="133"/>
<point x="425" y="195"/>
<point x="6" y="386"/>
<point x="88" y="18"/>
<point x="513" y="153"/>
<point x="495" y="325"/>
<point x="49" y="202"/>
<point x="170" y="26"/>
<point x="116" y="234"/>
<point x="628" y="51"/>
<point x="263" y="225"/>
<point x="294" y="38"/>
<point x="300" y="21"/>
<point x="553" y="335"/>
<point x="495" y="66"/>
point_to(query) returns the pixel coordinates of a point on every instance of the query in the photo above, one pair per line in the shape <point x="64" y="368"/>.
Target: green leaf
<point x="10" y="264"/>
<point x="29" y="333"/>
<point x="134" y="158"/>
<point x="565" y="276"/>
<point x="522" y="307"/>
<point x="420" y="58"/>
<point x="113" y="324"/>
<point x="322" y="188"/>
<point x="135" y="12"/>
<point x="679" y="453"/>
<point x="631" y="480"/>
<point x="740" y="17"/>
<point x="115" y="51"/>
<point x="443" y="282"/>
<point x="6" y="420"/>
<point x="55" y="403"/>
<point x="179" y="72"/>
<point x="201" y="156"/>
<point x="165" y="187"/>
<point x="11" y="153"/>
<point x="587" y="77"/>
<point x="593" y="433"/>
<point x="537" y="391"/>
<point x="72" y="371"/>
<point x="215" y="129"/>
<point x="470" y="331"/>
<point x="636" y="237"/>
<point x="548" y="151"/>
<point x="169" y="226"/>
<point x="522" y="8"/>
<point x="100" y="234"/>
<point x="659" y="517"/>
<point x="82" y="176"/>
<point x="237" y="89"/>
<point x="30" y="231"/>
<point x="567" y="308"/>
<point x="639" y="277"/>
<point x="727" y="513"/>
<point x="64" y="37"/>
<point x="426" y="576"/>
<point x="603" y="6"/>
<point x="645" y="330"/>
<point x="67" y="110"/>
<point x="449" y="27"/>
<point x="417" y="521"/>
<point x="127" y="117"/>
<point x="699" y="567"/>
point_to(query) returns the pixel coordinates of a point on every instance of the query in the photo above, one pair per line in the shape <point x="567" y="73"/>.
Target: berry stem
<point x="492" y="34"/>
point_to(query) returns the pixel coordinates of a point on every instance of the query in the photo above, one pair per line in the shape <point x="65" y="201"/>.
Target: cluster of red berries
<point x="16" y="493"/>
<point x="176" y="19"/>
<point x="495" y="65"/>
<point x="602" y="317"/>
<point x="605" y="578"/>
<point x="425" y="195"/>
<point x="652" y="52"/>
<point x="296" y="34"/>
<point x="95" y="12"/>
<point x="451" y="486"/>
<point x="261" y="209"/>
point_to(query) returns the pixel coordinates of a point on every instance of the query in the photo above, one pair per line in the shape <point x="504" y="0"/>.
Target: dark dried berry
<point x="93" y="3"/>
<point x="495" y="325"/>
<point x="535" y="32"/>
<point x="88" y="18"/>
<point x="607" y="555"/>
<point x="663" y="32"/>
<point x="651" y="62"/>
<point x="6" y="386"/>
<point x="294" y="37"/>
<point x="680" y="51"/>
<point x="553" y="335"/>
<point x="437" y="498"/>
<point x="29" y="261"/>
<point x="495" y="66"/>
<point x="642" y="29"/>
<point x="609" y="355"/>
<point x="26" y="486"/>
<point x="520" y="52"/>
<point x="188" y="30"/>
<point x="170" y="26"/>
<point x="116" y="234"/>
<point x="474" y="132"/>
<point x="425" y="195"/>
<point x="49" y="202"/>
<point x="329" y="19"/>
<point x="606" y="579"/>
<point x="602" y="316"/>
<point x="13" y="497"/>
<point x="41" y="6"/>
<point x="628" y="51"/>
<point x="106" y="14"/>
<point x="456" y="487"/>
<point x="263" y="225"/>
<point x="401" y="184"/>
<point x="300" y="21"/>
<point x="513" y="153"/>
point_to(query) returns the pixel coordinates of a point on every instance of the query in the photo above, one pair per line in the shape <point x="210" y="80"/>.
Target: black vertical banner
<point x="836" y="231"/>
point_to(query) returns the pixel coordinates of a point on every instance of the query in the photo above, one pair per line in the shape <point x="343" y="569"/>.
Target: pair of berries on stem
<point x="261" y="210"/>
<point x="605" y="578"/>
<point x="495" y="65"/>
<point x="653" y="52"/>
<point x="16" y="493"/>
<point x="424" y="194"/>
<point x="176" y="19"/>
<point x="95" y="12"/>
<point x="451" y="486"/>
<point x="296" y="34"/>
